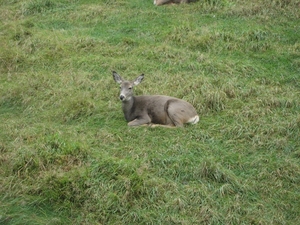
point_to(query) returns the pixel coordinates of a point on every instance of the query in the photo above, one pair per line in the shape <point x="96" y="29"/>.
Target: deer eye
<point x="130" y="88"/>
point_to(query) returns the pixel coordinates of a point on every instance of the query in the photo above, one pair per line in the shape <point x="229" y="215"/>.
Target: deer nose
<point x="122" y="97"/>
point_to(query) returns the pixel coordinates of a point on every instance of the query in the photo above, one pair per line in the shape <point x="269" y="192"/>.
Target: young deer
<point x="153" y="109"/>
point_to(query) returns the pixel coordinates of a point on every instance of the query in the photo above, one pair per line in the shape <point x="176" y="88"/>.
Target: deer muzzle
<point x="122" y="97"/>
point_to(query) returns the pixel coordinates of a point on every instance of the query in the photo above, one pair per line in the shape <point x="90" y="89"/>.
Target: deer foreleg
<point x="140" y="121"/>
<point x="152" y="125"/>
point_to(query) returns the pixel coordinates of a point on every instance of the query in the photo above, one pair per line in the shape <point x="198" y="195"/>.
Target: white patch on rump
<point x="194" y="120"/>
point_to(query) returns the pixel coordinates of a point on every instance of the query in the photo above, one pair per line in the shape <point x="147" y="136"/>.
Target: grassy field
<point x="67" y="155"/>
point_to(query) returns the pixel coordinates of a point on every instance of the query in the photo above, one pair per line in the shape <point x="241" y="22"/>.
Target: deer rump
<point x="160" y="109"/>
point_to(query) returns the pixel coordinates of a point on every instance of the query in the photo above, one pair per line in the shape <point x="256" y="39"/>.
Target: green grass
<point x="67" y="155"/>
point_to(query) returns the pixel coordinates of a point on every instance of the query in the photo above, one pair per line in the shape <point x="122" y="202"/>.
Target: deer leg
<point x="175" y="112"/>
<point x="176" y="120"/>
<point x="181" y="112"/>
<point x="152" y="125"/>
<point x="140" y="121"/>
<point x="161" y="2"/>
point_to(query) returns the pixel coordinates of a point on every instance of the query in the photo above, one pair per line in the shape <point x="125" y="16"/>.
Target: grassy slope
<point x="67" y="155"/>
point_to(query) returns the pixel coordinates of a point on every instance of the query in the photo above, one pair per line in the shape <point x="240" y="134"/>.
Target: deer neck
<point x="127" y="107"/>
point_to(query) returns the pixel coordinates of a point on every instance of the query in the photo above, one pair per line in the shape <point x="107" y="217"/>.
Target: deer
<point x="153" y="110"/>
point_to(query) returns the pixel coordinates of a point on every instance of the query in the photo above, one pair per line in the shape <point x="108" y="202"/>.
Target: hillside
<point x="67" y="155"/>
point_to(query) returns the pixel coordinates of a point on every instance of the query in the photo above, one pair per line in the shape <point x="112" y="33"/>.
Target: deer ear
<point x="138" y="79"/>
<point x="117" y="77"/>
